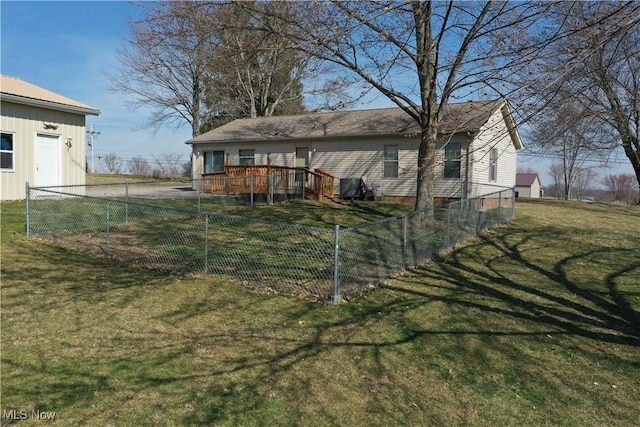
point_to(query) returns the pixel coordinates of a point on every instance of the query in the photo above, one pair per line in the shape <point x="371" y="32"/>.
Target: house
<point x="476" y="155"/>
<point x="528" y="185"/>
<point x="43" y="138"/>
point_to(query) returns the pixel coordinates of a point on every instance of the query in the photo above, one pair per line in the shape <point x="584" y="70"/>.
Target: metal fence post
<point x="448" y="241"/>
<point x="271" y="189"/>
<point x="336" y="263"/>
<point x="126" y="206"/>
<point x="206" y="243"/>
<point x="199" y="195"/>
<point x="108" y="228"/>
<point x="513" y="202"/>
<point x="28" y="194"/>
<point x="500" y="207"/>
<point x="252" y="182"/>
<point x="404" y="240"/>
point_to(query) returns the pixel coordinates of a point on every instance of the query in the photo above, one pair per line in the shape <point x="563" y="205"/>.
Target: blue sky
<point x="69" y="47"/>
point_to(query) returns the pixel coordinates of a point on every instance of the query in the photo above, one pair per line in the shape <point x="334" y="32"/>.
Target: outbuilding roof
<point x="523" y="179"/>
<point x="460" y="117"/>
<point x="16" y="90"/>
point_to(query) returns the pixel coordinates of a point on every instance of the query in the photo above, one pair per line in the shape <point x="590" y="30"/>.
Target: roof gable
<point x="460" y="117"/>
<point x="16" y="90"/>
<point x="526" y="178"/>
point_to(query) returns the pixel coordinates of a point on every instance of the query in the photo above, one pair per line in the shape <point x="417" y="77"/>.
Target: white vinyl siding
<point x="494" y="135"/>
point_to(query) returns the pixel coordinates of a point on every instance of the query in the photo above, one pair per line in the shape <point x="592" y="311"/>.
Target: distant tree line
<point x="169" y="165"/>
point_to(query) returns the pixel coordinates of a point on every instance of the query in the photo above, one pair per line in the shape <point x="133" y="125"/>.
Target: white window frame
<point x="211" y="155"/>
<point x="11" y="152"/>
<point x="393" y="161"/>
<point x="455" y="157"/>
<point x="493" y="164"/>
<point x="244" y="159"/>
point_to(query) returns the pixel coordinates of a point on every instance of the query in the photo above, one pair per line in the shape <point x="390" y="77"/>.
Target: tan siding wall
<point x="26" y="123"/>
<point x="357" y="157"/>
<point x="343" y="158"/>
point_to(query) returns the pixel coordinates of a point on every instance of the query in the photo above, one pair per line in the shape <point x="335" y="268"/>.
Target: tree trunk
<point x="426" y="173"/>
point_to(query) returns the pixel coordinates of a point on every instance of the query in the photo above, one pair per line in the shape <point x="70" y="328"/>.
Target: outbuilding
<point x="43" y="138"/>
<point x="528" y="185"/>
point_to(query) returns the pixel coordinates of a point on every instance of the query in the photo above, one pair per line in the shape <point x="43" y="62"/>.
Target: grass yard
<point x="533" y="323"/>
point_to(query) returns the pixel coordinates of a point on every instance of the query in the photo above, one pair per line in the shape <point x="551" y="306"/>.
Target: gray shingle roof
<point x="460" y="117"/>
<point x="526" y="178"/>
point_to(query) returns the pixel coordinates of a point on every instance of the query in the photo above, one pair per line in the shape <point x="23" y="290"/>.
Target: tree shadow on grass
<point x="510" y="283"/>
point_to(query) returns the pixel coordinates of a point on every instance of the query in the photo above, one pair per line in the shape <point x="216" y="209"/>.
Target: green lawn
<point x="533" y="323"/>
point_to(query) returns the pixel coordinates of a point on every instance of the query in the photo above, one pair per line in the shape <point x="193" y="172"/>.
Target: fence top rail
<point x="254" y="220"/>
<point x="218" y="215"/>
<point x="113" y="184"/>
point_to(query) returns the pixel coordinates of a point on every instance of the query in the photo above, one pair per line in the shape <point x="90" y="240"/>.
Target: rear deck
<point x="265" y="179"/>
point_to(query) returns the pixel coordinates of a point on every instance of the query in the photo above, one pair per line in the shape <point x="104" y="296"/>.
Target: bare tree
<point x="585" y="181"/>
<point x="168" y="165"/>
<point x="113" y="163"/>
<point x="559" y="187"/>
<point x="253" y="72"/>
<point x="621" y="187"/>
<point x="164" y="63"/>
<point x="206" y="63"/>
<point x="423" y="55"/>
<point x="569" y="133"/>
<point x="139" y="166"/>
<point x="596" y="68"/>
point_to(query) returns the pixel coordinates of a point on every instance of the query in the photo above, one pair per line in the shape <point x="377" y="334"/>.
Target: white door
<point x="47" y="160"/>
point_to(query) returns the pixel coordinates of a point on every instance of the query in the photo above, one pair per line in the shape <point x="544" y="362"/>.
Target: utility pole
<point x="92" y="134"/>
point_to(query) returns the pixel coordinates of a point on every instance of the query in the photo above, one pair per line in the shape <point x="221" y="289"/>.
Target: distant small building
<point x="528" y="185"/>
<point x="43" y="138"/>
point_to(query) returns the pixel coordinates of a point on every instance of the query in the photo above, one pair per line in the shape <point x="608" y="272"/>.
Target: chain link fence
<point x="132" y="222"/>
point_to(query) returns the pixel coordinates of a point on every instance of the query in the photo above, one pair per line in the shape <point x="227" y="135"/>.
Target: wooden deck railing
<point x="237" y="179"/>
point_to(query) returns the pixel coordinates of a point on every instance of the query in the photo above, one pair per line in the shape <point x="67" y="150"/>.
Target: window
<point x="390" y="161"/>
<point x="247" y="157"/>
<point x="213" y="161"/>
<point x="452" y="160"/>
<point x="6" y="151"/>
<point x="493" y="164"/>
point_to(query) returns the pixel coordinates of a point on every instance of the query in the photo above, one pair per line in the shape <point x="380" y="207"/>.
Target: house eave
<point x="408" y="135"/>
<point x="32" y="102"/>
